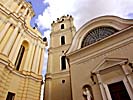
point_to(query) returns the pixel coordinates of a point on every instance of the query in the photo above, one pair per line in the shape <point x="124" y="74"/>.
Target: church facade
<point x="96" y="65"/>
<point x="21" y="52"/>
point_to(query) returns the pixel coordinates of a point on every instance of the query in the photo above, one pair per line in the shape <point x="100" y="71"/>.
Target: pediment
<point x="108" y="21"/>
<point x="109" y="62"/>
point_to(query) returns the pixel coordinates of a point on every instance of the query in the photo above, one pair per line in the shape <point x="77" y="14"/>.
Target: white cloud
<point x="82" y="11"/>
<point x="45" y="63"/>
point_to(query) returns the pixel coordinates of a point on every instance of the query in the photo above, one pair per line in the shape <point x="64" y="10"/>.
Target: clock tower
<point x="57" y="86"/>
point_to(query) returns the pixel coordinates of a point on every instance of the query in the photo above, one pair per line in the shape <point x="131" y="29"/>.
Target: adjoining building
<point x="94" y="63"/>
<point x="21" y="52"/>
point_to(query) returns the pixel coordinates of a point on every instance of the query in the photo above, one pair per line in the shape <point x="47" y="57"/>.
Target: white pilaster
<point x="10" y="42"/>
<point x="13" y="54"/>
<point x="34" y="64"/>
<point x="19" y="7"/>
<point x="28" y="57"/>
<point x="127" y="72"/>
<point x="41" y="61"/>
<point x="104" y="96"/>
<point x="25" y="12"/>
<point x="3" y="32"/>
<point x="38" y="60"/>
<point x="31" y="58"/>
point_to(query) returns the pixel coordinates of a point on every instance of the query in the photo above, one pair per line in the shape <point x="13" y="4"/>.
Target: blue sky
<point x="38" y="7"/>
<point x="46" y="11"/>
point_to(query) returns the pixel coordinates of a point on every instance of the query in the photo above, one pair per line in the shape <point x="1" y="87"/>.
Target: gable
<point x="105" y="21"/>
<point x="108" y="63"/>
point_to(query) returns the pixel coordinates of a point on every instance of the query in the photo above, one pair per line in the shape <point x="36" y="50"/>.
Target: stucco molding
<point x="109" y="63"/>
<point x="103" y="51"/>
<point x="112" y="21"/>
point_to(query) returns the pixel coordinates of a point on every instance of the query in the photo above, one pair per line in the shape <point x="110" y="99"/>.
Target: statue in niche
<point x="87" y="94"/>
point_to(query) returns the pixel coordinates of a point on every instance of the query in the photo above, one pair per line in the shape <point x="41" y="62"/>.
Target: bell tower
<point x="57" y="86"/>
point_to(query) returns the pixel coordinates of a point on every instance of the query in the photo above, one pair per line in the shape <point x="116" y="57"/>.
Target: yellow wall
<point x="15" y="31"/>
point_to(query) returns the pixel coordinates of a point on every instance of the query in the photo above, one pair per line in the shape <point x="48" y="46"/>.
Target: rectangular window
<point x="10" y="96"/>
<point x="118" y="91"/>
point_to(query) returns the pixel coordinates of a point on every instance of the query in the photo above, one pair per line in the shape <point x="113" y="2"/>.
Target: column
<point x="3" y="32"/>
<point x="101" y="87"/>
<point x="38" y="60"/>
<point x="2" y="24"/>
<point x="10" y="42"/>
<point x="127" y="72"/>
<point x="31" y="57"/>
<point x="28" y="57"/>
<point x="19" y="7"/>
<point x="41" y="61"/>
<point x="28" y="18"/>
<point x="35" y="58"/>
<point x="13" y="51"/>
<point x="25" y="12"/>
<point x="28" y="15"/>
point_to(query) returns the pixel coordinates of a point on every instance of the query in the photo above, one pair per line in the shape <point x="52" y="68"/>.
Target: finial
<point x="44" y="39"/>
<point x="30" y="2"/>
<point x="35" y="26"/>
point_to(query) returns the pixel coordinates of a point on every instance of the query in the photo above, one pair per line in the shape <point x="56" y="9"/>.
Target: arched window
<point x="62" y="26"/>
<point x="22" y="55"/>
<point x="97" y="34"/>
<point x="62" y="40"/>
<point x="10" y="96"/>
<point x="63" y="63"/>
<point x="19" y="57"/>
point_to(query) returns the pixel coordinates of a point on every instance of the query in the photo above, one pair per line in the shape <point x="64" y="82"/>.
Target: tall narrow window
<point x="19" y="57"/>
<point x="62" y="26"/>
<point x="10" y="96"/>
<point x="63" y="63"/>
<point x="62" y="40"/>
<point x="118" y="91"/>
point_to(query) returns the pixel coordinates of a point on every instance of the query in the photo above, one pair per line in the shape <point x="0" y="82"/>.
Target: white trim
<point x="103" y="51"/>
<point x="129" y="90"/>
<point x="112" y="21"/>
<point x="124" y="80"/>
